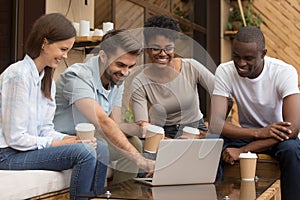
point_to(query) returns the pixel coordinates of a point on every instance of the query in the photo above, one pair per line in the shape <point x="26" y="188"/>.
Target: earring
<point x="43" y="46"/>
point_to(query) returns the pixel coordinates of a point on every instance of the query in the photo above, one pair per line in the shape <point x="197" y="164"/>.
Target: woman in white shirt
<point x="28" y="140"/>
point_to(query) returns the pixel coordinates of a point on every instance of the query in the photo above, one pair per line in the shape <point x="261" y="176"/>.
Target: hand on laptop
<point x="146" y="164"/>
<point x="149" y="175"/>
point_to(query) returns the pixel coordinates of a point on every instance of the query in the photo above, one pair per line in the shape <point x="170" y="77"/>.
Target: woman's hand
<point x="92" y="142"/>
<point x="144" y="125"/>
<point x="201" y="135"/>
<point x="70" y="139"/>
<point x="67" y="137"/>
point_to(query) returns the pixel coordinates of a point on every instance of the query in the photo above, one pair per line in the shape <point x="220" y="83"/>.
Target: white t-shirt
<point x="259" y="100"/>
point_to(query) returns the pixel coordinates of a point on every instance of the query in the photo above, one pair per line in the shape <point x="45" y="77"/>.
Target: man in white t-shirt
<point x="267" y="96"/>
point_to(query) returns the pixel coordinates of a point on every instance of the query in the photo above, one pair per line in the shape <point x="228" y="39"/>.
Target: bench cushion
<point x="22" y="184"/>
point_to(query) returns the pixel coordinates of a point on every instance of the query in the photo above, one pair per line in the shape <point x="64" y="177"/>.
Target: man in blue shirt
<point x="92" y="92"/>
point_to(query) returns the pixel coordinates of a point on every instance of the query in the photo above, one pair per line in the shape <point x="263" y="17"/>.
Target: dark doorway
<point x="5" y="33"/>
<point x="16" y="19"/>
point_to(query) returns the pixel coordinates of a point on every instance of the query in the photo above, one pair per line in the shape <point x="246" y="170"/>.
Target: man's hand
<point x="230" y="155"/>
<point x="146" y="164"/>
<point x="280" y="131"/>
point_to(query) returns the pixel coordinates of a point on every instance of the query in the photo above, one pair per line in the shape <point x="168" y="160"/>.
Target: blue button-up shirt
<point x="26" y="115"/>
<point x="82" y="80"/>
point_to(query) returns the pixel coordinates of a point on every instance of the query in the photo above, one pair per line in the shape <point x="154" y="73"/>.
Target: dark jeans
<point x="175" y="131"/>
<point x="288" y="155"/>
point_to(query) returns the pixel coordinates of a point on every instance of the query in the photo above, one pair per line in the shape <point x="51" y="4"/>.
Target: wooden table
<point x="230" y="188"/>
<point x="87" y="43"/>
<point x="81" y="40"/>
<point x="272" y="193"/>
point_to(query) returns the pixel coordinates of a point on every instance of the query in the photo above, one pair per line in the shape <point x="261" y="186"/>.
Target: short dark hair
<point x="161" y="25"/>
<point x="121" y="38"/>
<point x="251" y="34"/>
<point x="54" y="27"/>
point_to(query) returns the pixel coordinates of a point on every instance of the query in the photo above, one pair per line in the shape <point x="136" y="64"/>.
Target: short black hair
<point x="251" y="34"/>
<point x="161" y="25"/>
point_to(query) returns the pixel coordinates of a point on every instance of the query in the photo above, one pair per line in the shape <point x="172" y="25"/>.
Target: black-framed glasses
<point x="167" y="50"/>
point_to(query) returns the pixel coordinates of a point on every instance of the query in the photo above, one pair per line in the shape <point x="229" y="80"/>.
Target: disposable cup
<point x="153" y="136"/>
<point x="85" y="131"/>
<point x="248" y="166"/>
<point x="247" y="190"/>
<point x="190" y="132"/>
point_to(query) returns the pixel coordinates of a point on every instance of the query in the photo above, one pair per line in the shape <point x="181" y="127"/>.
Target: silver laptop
<point x="186" y="161"/>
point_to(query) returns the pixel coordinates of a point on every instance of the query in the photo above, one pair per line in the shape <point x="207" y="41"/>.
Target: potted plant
<point x="235" y="20"/>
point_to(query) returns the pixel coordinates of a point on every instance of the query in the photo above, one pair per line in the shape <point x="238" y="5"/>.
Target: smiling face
<point x="53" y="53"/>
<point x="119" y="66"/>
<point x="247" y="58"/>
<point x="160" y="50"/>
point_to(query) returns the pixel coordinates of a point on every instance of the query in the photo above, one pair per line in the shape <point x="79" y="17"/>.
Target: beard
<point x="110" y="77"/>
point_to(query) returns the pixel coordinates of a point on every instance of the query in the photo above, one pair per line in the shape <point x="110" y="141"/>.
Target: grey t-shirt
<point x="175" y="102"/>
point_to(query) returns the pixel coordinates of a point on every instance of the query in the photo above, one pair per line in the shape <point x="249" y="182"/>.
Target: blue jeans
<point x="288" y="155"/>
<point x="88" y="164"/>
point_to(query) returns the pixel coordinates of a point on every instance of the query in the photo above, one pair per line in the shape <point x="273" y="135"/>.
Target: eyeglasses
<point x="167" y="50"/>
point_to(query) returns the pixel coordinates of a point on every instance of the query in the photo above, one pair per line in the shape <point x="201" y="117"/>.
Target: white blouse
<point x="25" y="114"/>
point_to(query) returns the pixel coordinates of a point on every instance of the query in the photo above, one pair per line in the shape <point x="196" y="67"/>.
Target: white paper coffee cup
<point x="190" y="132"/>
<point x="153" y="136"/>
<point x="248" y="166"/>
<point x="85" y="131"/>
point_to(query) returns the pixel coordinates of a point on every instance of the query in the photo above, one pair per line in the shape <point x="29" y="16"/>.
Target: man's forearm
<point x="260" y="145"/>
<point x="131" y="129"/>
<point x="117" y="138"/>
<point x="234" y="132"/>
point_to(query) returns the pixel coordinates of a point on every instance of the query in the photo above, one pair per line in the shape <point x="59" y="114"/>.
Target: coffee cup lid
<point x="191" y="130"/>
<point x="155" y="129"/>
<point x="85" y="127"/>
<point x="248" y="155"/>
